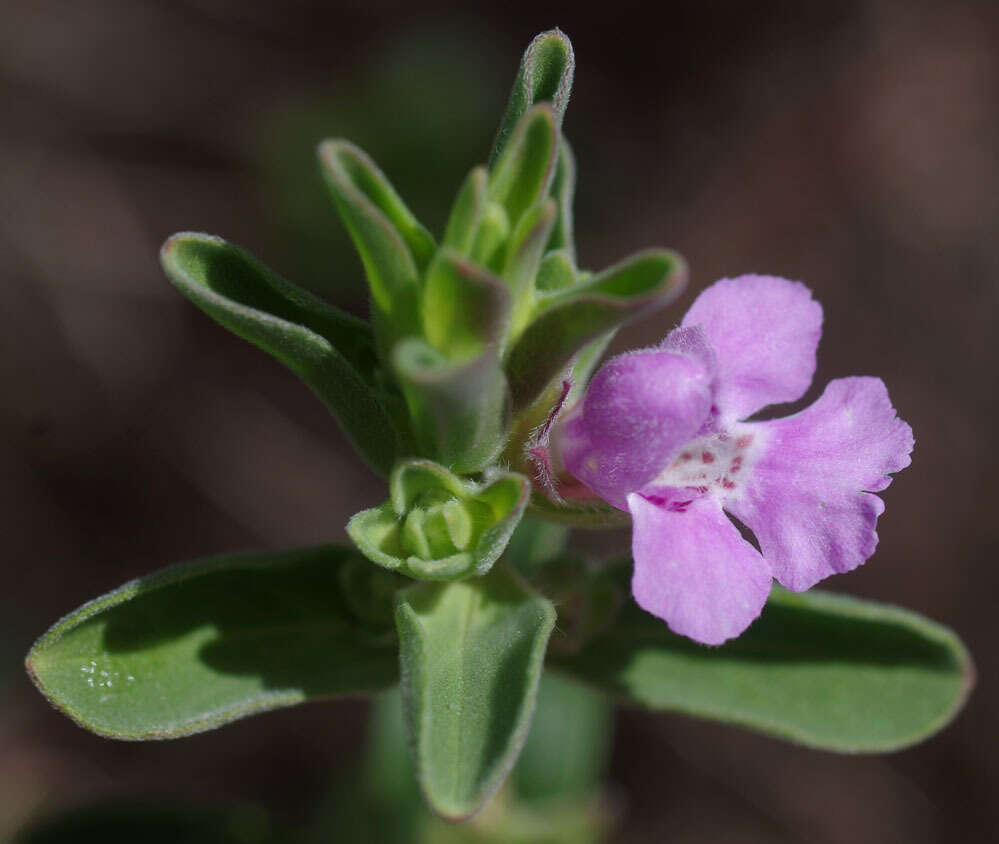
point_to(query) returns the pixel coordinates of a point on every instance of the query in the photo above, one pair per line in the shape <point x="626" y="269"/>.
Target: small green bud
<point x="437" y="526"/>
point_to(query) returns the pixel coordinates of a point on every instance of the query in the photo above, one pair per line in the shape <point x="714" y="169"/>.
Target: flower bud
<point x="437" y="526"/>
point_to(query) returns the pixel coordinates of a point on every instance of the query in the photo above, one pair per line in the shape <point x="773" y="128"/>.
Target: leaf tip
<point x="32" y="669"/>
<point x="329" y="147"/>
<point x="171" y="244"/>
<point x="550" y="64"/>
<point x="338" y="155"/>
<point x="544" y="112"/>
<point x="174" y="248"/>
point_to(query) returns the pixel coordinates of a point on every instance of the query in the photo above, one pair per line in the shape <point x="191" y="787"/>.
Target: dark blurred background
<point x="849" y="145"/>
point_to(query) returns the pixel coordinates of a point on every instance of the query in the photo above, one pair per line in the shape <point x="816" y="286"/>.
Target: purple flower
<point x="661" y="434"/>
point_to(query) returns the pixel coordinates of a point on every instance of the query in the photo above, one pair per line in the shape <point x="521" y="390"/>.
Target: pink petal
<point x="639" y="409"/>
<point x="691" y="340"/>
<point x="805" y="499"/>
<point x="764" y="332"/>
<point x="694" y="570"/>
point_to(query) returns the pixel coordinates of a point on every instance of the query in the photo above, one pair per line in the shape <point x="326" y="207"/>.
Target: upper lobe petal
<point x="638" y="412"/>
<point x="764" y="332"/>
<point x="694" y="570"/>
<point x="809" y="498"/>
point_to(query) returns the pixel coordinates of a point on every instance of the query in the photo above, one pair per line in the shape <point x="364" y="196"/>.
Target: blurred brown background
<point x="849" y="145"/>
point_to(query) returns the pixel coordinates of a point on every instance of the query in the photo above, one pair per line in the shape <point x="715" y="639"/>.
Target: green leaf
<point x="471" y="656"/>
<point x="393" y="246"/>
<point x="350" y="168"/>
<point x="460" y="411"/>
<point x="465" y="308"/>
<point x="823" y="670"/>
<point x="545" y="74"/>
<point x="332" y="352"/>
<point x="569" y="319"/>
<point x="197" y="645"/>
<point x="437" y="526"/>
<point x="524" y="172"/>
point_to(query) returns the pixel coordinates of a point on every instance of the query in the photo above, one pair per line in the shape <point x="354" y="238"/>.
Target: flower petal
<point x="694" y="570"/>
<point x="639" y="409"/>
<point x="764" y="332"/>
<point x="805" y="499"/>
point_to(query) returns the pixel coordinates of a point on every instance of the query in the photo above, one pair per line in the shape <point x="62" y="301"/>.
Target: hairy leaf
<point x="197" y="645"/>
<point x="332" y="352"/>
<point x="545" y="75"/>
<point x="524" y="172"/>
<point x="823" y="670"/>
<point x="393" y="246"/>
<point x="471" y="655"/>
